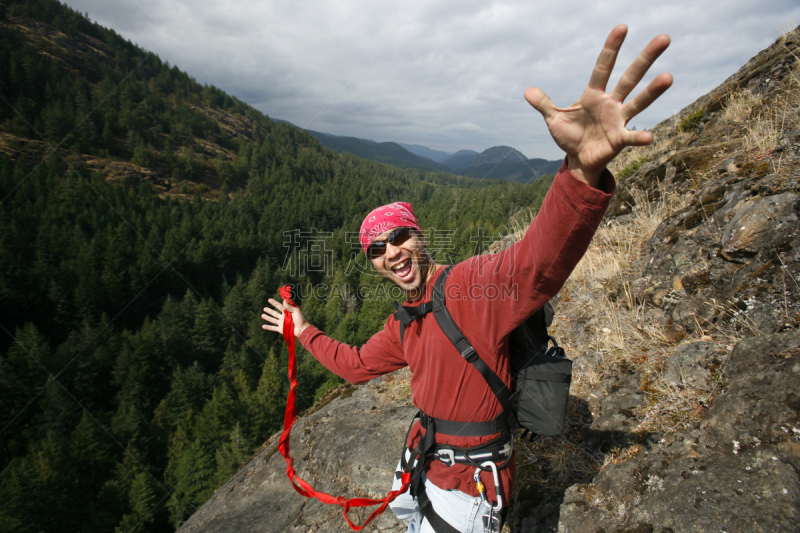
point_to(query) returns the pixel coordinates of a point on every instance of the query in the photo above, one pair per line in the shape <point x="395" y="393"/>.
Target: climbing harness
<point x="499" y="449"/>
<point x="290" y="416"/>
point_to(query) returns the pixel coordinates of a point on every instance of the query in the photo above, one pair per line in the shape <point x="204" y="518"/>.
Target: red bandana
<point x="396" y="215"/>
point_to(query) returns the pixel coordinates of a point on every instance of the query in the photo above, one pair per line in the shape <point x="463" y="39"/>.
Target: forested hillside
<point x="144" y="221"/>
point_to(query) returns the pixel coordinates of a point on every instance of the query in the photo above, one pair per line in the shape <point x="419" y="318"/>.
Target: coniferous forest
<point x="144" y="221"/>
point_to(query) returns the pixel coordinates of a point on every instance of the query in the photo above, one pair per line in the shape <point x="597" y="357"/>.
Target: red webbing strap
<point x="283" y="444"/>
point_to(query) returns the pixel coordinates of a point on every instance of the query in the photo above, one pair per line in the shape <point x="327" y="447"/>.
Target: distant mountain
<point x="386" y="152"/>
<point x="498" y="154"/>
<point x="460" y="159"/>
<point x="424" y="151"/>
<point x="501" y="162"/>
<point x="521" y="171"/>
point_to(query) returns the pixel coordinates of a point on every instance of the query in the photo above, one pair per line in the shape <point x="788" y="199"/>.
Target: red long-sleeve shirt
<point x="488" y="296"/>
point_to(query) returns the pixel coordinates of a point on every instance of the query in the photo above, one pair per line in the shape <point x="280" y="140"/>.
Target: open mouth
<point x="403" y="270"/>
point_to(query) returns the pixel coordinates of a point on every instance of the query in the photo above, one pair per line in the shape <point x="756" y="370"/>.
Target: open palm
<point x="592" y="131"/>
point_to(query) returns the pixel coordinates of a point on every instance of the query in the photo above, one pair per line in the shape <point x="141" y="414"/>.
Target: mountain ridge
<point x="496" y="163"/>
<point x="423" y="151"/>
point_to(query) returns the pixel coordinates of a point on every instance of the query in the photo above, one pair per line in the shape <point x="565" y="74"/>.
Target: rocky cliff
<point x="682" y="321"/>
<point x="349" y="446"/>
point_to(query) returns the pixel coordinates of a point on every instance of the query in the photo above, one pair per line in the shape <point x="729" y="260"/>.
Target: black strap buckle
<point x="402" y="314"/>
<point x="467" y="352"/>
<point x="408" y="314"/>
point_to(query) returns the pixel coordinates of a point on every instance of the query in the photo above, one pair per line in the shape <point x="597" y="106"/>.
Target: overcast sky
<point x="442" y="73"/>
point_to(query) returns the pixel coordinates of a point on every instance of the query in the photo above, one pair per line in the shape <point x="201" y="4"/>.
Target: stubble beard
<point x="423" y="264"/>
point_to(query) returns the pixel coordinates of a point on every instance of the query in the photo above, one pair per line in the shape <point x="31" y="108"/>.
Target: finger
<point x="276" y="304"/>
<point x="636" y="71"/>
<point x="636" y="138"/>
<point x="289" y="307"/>
<point x="270" y="318"/>
<point x="273" y="312"/>
<point x="270" y="328"/>
<point x="647" y="96"/>
<point x="608" y="56"/>
<point x="540" y="102"/>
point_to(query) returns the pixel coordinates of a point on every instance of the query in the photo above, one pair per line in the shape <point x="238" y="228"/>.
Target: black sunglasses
<point x="395" y="238"/>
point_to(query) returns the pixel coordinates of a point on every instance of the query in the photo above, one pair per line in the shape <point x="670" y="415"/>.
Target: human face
<point x="405" y="263"/>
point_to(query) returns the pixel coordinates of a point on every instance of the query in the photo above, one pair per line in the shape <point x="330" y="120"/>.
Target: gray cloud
<point x="446" y="74"/>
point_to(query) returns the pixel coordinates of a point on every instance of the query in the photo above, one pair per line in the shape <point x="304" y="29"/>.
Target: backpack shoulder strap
<point x="539" y="321"/>
<point x="407" y="314"/>
<point x="464" y="347"/>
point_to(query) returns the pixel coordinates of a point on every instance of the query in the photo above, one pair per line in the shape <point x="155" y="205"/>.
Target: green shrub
<point x="630" y="168"/>
<point x="691" y="121"/>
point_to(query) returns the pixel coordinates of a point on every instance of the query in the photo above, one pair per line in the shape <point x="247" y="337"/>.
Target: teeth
<point x="400" y="265"/>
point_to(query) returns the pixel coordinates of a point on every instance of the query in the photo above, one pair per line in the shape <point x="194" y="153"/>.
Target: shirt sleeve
<point x="381" y="354"/>
<point x="503" y="290"/>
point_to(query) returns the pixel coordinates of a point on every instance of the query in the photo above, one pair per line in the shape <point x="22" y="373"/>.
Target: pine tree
<point x="194" y="474"/>
<point x="266" y="408"/>
<point x="94" y="454"/>
<point x="145" y="497"/>
<point x="230" y="456"/>
<point x="22" y="377"/>
<point x="209" y="335"/>
<point x="218" y="415"/>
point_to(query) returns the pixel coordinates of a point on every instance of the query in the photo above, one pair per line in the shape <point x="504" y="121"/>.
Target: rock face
<point x="723" y="265"/>
<point x="738" y="470"/>
<point x="349" y="447"/>
<point x="726" y="265"/>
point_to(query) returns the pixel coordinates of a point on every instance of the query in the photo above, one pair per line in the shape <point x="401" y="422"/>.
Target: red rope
<point x="288" y="421"/>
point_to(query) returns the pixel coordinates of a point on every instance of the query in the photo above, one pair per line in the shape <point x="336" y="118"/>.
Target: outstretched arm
<point x="382" y="354"/>
<point x="592" y="130"/>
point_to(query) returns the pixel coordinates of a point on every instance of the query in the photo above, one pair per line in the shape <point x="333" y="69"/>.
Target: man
<point x="521" y="279"/>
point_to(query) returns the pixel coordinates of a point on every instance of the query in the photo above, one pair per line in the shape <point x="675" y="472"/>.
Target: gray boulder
<point x="349" y="447"/>
<point x="738" y="471"/>
<point x="758" y="224"/>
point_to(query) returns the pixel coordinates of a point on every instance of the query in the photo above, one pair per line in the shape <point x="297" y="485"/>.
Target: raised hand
<point x="592" y="131"/>
<point x="274" y="317"/>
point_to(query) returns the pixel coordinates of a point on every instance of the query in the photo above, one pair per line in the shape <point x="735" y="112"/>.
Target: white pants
<point x="457" y="508"/>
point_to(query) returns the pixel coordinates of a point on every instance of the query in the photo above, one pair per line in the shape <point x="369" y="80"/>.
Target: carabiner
<point x="489" y="464"/>
<point x="491" y="520"/>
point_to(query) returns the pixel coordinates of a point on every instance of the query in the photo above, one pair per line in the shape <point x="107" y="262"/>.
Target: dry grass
<point x="622" y="337"/>
<point x="763" y="133"/>
<point x="788" y="28"/>
<point x="619" y="329"/>
<point x="739" y="105"/>
<point x="673" y="406"/>
<point x="765" y="122"/>
<point x="520" y="223"/>
<point x="615" y="244"/>
<point x="398" y="384"/>
<point x="622" y="334"/>
<point x="556" y="461"/>
<point x="618" y="324"/>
